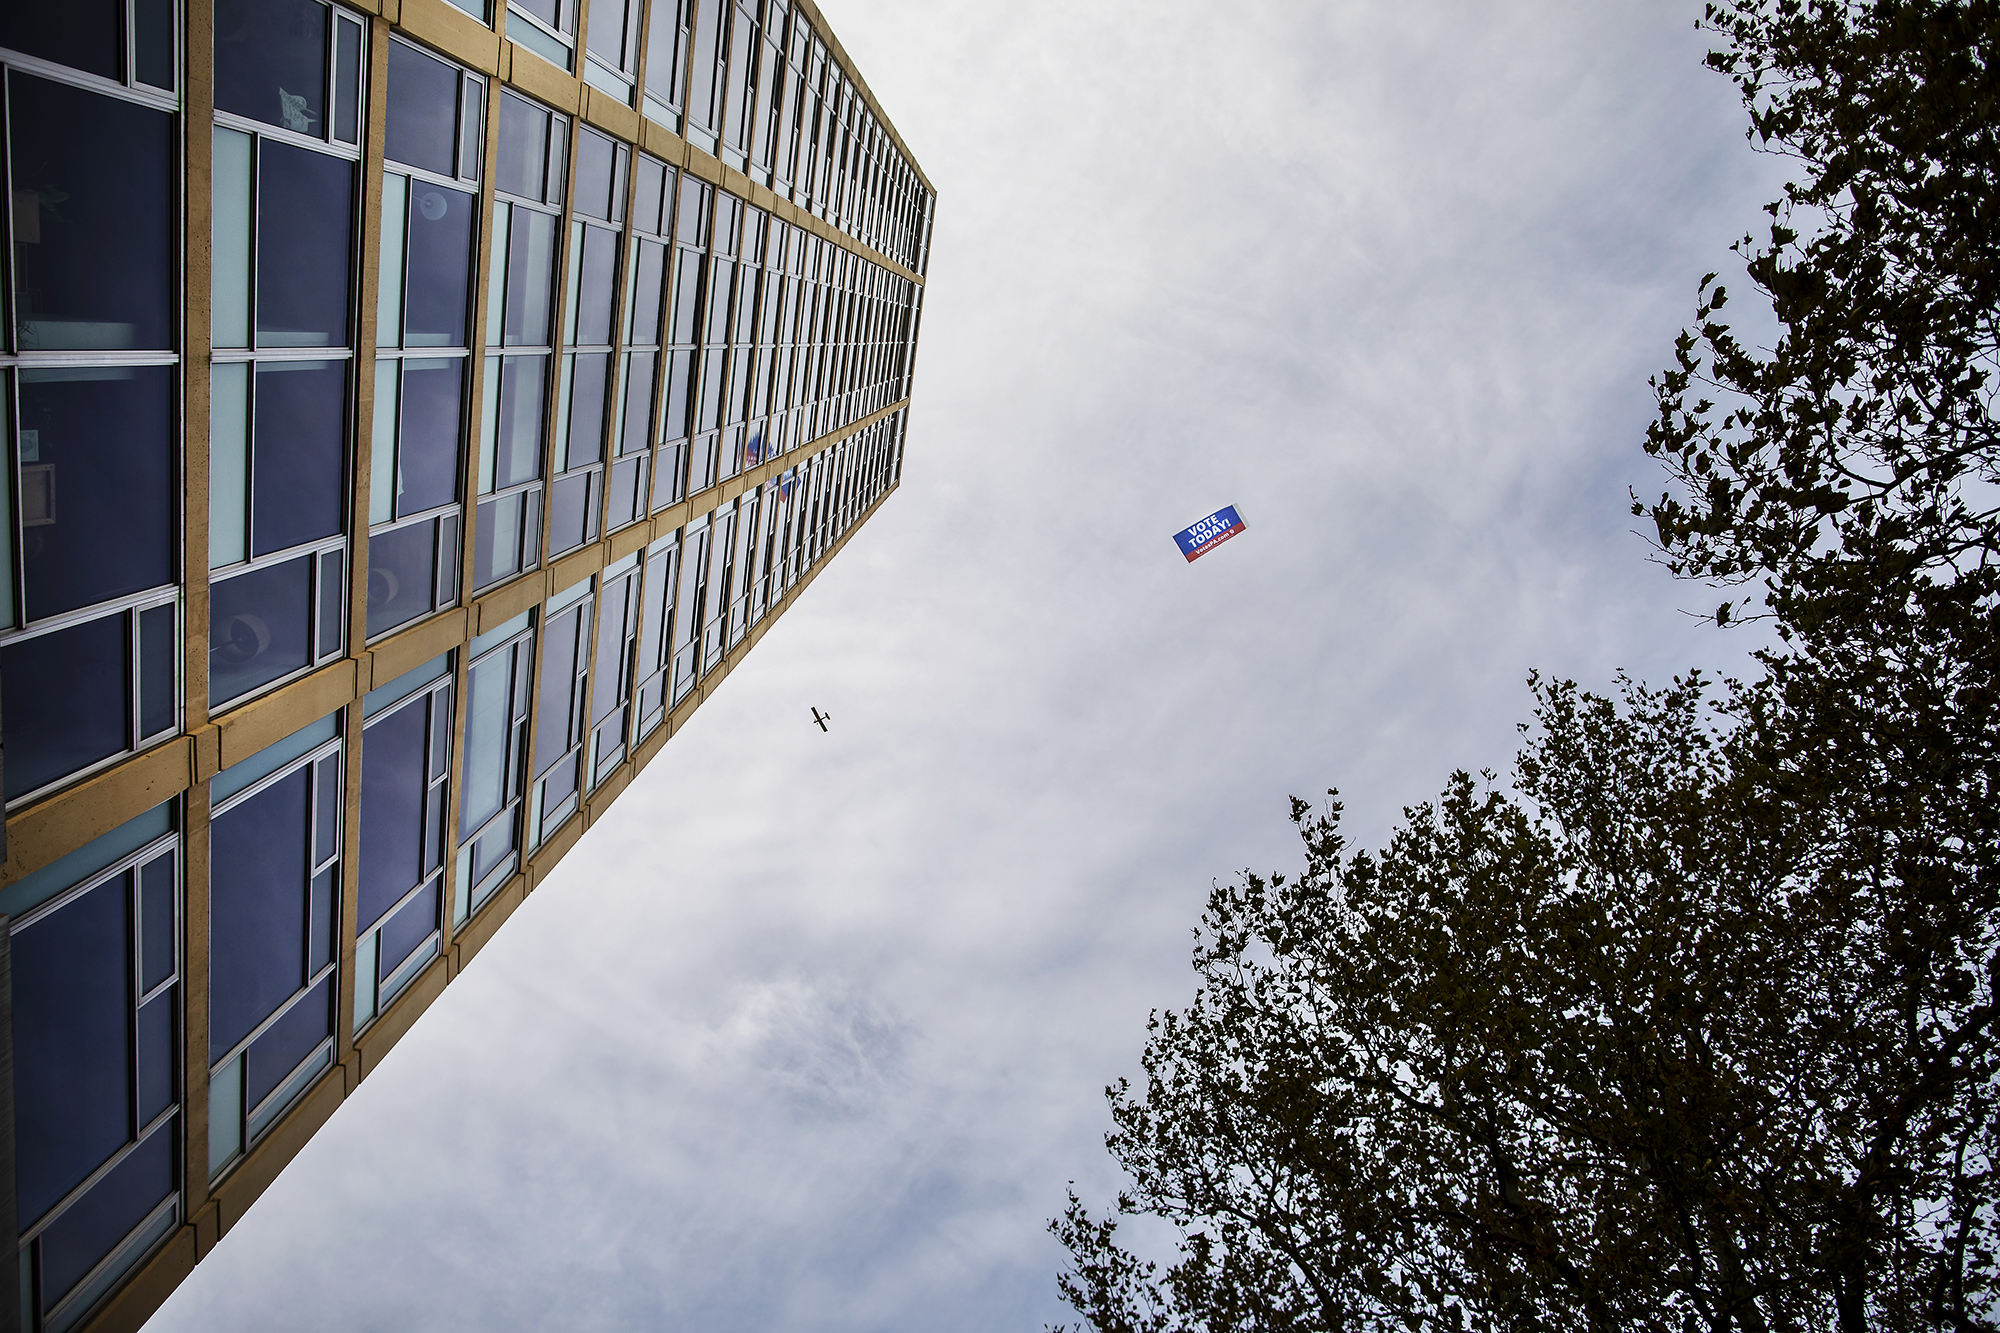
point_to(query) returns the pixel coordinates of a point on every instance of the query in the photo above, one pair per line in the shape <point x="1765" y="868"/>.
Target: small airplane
<point x="822" y="718"/>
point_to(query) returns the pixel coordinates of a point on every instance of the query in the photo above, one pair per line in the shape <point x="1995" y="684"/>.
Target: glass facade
<point x="499" y="454"/>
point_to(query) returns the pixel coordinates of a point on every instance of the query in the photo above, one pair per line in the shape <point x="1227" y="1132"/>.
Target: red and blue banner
<point x="1209" y="533"/>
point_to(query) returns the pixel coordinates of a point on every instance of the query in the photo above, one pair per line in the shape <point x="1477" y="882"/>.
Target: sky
<point x="811" y="1031"/>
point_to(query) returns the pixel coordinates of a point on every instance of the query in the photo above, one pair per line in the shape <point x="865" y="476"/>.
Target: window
<point x="722" y="556"/>
<point x="496" y="759"/>
<point x="611" y="48"/>
<point x="286" y="141"/>
<point x="772" y="84"/>
<point x="89" y="476"/>
<point x="672" y="478"/>
<point x="617" y="650"/>
<point x="546" y="27"/>
<point x="273" y="915"/>
<point x="669" y="30"/>
<point x="706" y="68"/>
<point x="559" y="710"/>
<point x="430" y="203"/>
<point x="655" y="650"/>
<point x="639" y="364"/>
<point x="582" y="395"/>
<point x="746" y="45"/>
<point x="132" y="45"/>
<point x="743" y="563"/>
<point x="529" y="180"/>
<point x="690" y="602"/>
<point x="95" y="956"/>
<point x="399" y="888"/>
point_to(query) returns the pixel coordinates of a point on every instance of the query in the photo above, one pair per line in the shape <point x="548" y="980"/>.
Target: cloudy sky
<point x="812" y="1030"/>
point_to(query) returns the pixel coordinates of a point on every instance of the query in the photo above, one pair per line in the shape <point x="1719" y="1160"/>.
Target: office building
<point x="414" y="409"/>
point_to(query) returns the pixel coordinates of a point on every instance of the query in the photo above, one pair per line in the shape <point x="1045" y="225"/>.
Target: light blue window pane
<point x="405" y="685"/>
<point x="496" y="281"/>
<point x="543" y="45"/>
<point x="31" y="891"/>
<point x="489" y="424"/>
<point x="492" y="637"/>
<point x="389" y="302"/>
<point x="270" y="759"/>
<point x="382" y="461"/>
<point x="364" y="977"/>
<point x="230" y="265"/>
<point x="225" y="1115"/>
<point x="228" y="464"/>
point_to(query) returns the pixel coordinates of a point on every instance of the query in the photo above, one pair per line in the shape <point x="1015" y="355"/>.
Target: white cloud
<point x="809" y="1033"/>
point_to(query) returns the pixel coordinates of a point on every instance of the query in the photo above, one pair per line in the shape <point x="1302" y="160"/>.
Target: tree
<point x="1614" y="1048"/>
<point x="1693" y="1024"/>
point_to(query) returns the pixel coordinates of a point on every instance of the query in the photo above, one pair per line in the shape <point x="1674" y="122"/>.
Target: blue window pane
<point x="332" y="603"/>
<point x="649" y="192"/>
<point x="65" y="704"/>
<point x="570" y="518"/>
<point x="646" y="285"/>
<point x="637" y="431"/>
<point x="518" y="442"/>
<point x="530" y="271"/>
<point x="680" y="393"/>
<point x="323" y="919"/>
<point x="400" y="570"/>
<point x="257" y="910"/>
<point x="97" y="493"/>
<point x="286" y="1042"/>
<point x="392" y="812"/>
<point x="259" y="627"/>
<point x="553" y="722"/>
<point x="83" y="34"/>
<point x="586" y="409"/>
<point x="595" y="171"/>
<point x="303" y="228"/>
<point x="423" y="109"/>
<point x="687" y="297"/>
<point x="596" y="286"/>
<point x="158" y="701"/>
<point x="327" y="797"/>
<point x="300" y="464"/>
<point x="427" y="454"/>
<point x="94" y="254"/>
<point x="440" y="733"/>
<point x="157" y="927"/>
<point x="270" y="62"/>
<point x="72" y="1013"/>
<point x="440" y="239"/>
<point x="92" y="1228"/>
<point x="156" y="1056"/>
<point x="347" y="78"/>
<point x="524" y="145"/>
<point x="409" y="928"/>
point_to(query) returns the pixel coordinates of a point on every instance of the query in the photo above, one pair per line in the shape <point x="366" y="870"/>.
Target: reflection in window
<point x="96" y="1067"/>
<point x="273" y="920"/>
<point x="272" y="621"/>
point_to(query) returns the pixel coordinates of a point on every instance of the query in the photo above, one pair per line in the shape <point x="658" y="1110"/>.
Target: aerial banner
<point x="1209" y="533"/>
